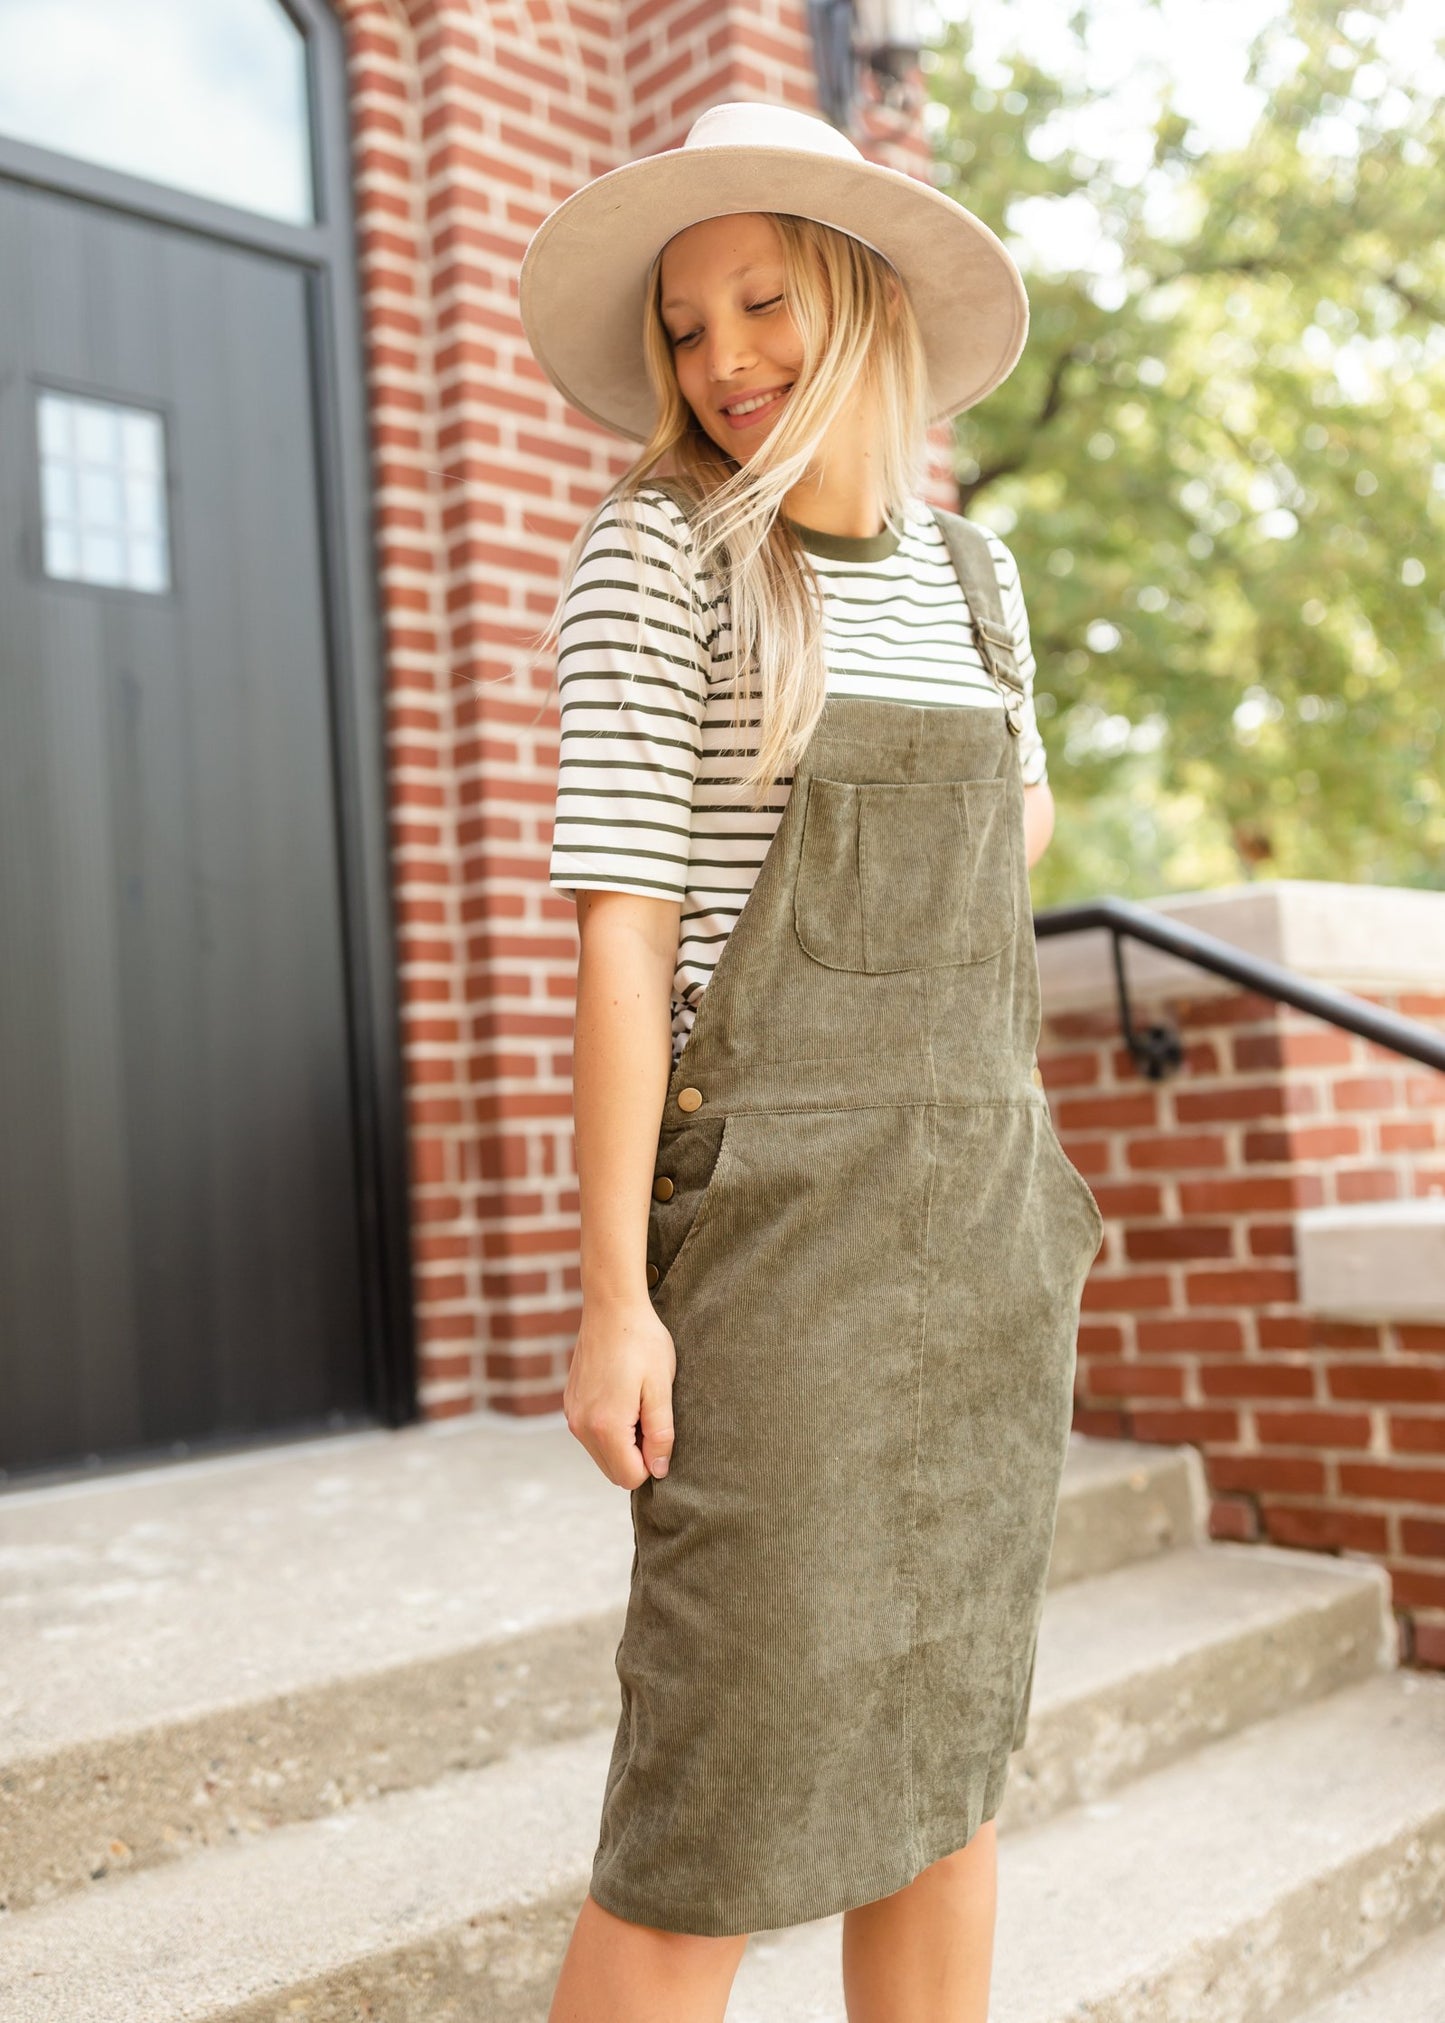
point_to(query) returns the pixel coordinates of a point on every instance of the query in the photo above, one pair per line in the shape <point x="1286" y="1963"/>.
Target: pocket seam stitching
<point x="815" y="951"/>
<point x="1011" y="883"/>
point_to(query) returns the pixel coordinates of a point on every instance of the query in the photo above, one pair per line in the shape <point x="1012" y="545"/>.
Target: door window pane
<point x="208" y="96"/>
<point x="102" y="492"/>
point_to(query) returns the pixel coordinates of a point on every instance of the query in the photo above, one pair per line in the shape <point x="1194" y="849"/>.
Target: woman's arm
<point x="1038" y="820"/>
<point x="623" y="1365"/>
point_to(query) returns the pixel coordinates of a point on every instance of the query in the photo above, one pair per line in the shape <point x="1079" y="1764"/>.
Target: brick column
<point x="470" y="122"/>
<point x="1218" y="1312"/>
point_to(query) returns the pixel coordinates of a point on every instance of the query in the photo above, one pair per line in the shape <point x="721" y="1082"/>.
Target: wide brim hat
<point x="585" y="274"/>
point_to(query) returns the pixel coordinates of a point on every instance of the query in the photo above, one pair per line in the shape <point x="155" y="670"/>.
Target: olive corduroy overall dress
<point x="869" y="1248"/>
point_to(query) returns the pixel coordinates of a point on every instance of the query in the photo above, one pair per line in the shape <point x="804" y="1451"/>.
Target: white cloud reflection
<point x="209" y="98"/>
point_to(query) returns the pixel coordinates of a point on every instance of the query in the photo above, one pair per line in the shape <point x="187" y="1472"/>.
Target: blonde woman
<point x="832" y="1251"/>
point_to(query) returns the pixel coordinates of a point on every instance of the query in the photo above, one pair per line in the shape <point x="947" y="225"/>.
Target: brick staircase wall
<point x="1314" y="1430"/>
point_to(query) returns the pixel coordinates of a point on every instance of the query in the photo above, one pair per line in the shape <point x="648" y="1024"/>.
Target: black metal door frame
<point x="326" y="253"/>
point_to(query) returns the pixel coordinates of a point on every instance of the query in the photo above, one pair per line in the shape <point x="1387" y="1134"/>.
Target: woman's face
<point x="733" y="340"/>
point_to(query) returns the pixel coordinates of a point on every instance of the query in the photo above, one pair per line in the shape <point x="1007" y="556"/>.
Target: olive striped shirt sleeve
<point x="632" y="671"/>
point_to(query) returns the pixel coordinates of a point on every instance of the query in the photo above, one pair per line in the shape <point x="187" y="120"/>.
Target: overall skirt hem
<point x="740" y="1912"/>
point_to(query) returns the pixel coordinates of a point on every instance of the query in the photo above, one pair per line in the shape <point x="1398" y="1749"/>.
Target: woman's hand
<point x="622" y="1371"/>
<point x="623" y="1365"/>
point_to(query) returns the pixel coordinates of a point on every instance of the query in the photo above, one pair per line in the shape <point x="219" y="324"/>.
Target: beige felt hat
<point x="585" y="273"/>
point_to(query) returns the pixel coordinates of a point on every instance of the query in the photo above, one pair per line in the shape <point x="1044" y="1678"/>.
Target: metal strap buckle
<point x="996" y="645"/>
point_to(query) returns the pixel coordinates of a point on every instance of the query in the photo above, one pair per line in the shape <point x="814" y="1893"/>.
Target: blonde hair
<point x="860" y="340"/>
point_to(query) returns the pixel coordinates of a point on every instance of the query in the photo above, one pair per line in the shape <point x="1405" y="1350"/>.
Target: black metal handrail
<point x="1157" y="1048"/>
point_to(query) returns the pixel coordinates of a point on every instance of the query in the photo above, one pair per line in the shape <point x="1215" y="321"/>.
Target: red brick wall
<point x="1313" y="1431"/>
<point x="470" y="123"/>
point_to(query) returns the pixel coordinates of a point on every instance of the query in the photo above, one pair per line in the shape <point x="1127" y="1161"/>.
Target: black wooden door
<point x="179" y="1220"/>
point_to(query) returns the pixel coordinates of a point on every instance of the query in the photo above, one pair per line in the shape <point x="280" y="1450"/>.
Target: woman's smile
<point x="746" y="408"/>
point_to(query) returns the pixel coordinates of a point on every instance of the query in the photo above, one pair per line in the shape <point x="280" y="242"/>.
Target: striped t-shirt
<point x="647" y="739"/>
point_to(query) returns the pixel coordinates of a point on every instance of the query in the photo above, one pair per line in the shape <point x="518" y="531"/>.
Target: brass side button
<point x="1038" y="1076"/>
<point x="662" y="1188"/>
<point x="653" y="1274"/>
<point x="689" y="1099"/>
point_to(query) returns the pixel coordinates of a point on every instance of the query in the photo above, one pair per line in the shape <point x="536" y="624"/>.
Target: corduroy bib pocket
<point x="905" y="875"/>
<point x="690" y="1162"/>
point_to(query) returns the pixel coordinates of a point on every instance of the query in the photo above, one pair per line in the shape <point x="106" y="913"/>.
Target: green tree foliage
<point x="1222" y="468"/>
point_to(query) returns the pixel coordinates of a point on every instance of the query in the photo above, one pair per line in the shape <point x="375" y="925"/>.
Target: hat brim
<point x="583" y="280"/>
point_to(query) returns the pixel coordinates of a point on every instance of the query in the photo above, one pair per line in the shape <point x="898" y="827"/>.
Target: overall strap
<point x="974" y="564"/>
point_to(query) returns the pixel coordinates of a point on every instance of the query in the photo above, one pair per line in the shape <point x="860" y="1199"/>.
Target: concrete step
<point x="1232" y="1887"/>
<point x="1138" y="1666"/>
<point x="1121" y="1502"/>
<point x="216" y="1648"/>
<point x="1239" y="1884"/>
<point x="449" y="1902"/>
<point x="1407" y="1987"/>
<point x="212" y="1649"/>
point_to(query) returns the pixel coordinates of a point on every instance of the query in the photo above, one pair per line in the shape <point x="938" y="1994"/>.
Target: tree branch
<point x="1412" y="298"/>
<point x="1049" y="407"/>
